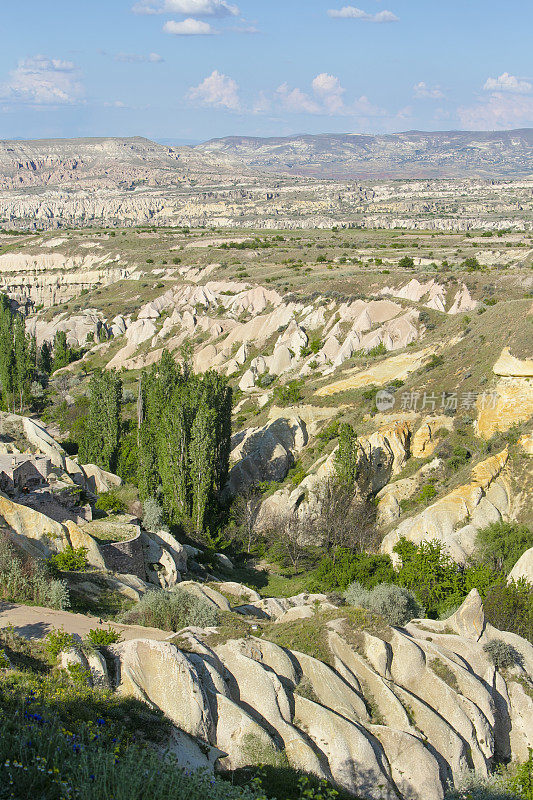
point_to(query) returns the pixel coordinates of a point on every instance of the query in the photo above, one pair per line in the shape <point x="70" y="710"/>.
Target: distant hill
<point x="414" y="154"/>
<point x="128" y="163"/>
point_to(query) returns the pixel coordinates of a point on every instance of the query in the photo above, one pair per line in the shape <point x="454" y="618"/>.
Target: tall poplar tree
<point x="101" y="438"/>
<point x="347" y="455"/>
<point x="184" y="436"/>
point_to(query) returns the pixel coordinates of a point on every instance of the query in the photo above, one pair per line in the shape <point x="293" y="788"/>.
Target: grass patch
<point x="444" y="672"/>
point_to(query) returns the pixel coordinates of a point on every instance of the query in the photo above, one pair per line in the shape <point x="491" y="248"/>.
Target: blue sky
<point x="197" y="69"/>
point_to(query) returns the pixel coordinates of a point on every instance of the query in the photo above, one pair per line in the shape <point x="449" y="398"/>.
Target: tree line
<point x="22" y="362"/>
<point x="177" y="449"/>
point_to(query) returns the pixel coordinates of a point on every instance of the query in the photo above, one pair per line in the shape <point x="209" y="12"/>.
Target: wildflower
<point x="100" y="721"/>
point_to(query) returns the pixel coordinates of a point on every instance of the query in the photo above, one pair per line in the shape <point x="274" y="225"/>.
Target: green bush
<point x="434" y="361"/>
<point x="289" y="394"/>
<point x="330" y="432"/>
<point x="100" y="637"/>
<point x="426" y="494"/>
<point x="24" y="580"/>
<point x="378" y="350"/>
<point x="152" y="515"/>
<point x="347" y="567"/>
<point x="502" y="654"/>
<point x="70" y="559"/>
<point x="473" y="787"/>
<point x="459" y="457"/>
<point x="109" y="502"/>
<point x="502" y="543"/>
<point x="509" y="607"/>
<point x="406" y="262"/>
<point x="435" y="578"/>
<point x="56" y="641"/>
<point x="394" y="603"/>
<point x="171" y="610"/>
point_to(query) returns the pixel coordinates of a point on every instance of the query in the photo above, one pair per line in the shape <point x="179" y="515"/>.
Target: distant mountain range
<point x="414" y="154"/>
<point x="128" y="163"/>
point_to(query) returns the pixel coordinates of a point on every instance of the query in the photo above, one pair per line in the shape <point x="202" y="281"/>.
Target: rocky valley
<point x="265" y="465"/>
<point x="442" y="181"/>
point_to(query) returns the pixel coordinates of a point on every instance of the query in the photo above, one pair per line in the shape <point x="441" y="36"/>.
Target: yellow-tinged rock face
<point x="509" y="366"/>
<point x="511" y="403"/>
<point x="40" y="535"/>
<point x="454" y="519"/>
<point x="425" y="440"/>
<point x="391" y="369"/>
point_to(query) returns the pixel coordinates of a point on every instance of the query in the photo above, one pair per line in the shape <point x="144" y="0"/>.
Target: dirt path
<point x="35" y="622"/>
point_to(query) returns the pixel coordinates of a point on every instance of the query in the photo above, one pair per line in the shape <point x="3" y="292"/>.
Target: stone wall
<point x="126" y="557"/>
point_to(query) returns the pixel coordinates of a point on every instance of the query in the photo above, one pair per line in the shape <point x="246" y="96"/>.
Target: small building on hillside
<point x="20" y="471"/>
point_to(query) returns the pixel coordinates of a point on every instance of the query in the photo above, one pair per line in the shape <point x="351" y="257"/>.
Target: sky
<point x="193" y="70"/>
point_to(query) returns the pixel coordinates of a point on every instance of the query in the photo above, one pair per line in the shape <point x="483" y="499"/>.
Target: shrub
<point x="434" y="361"/>
<point x="266" y="380"/>
<point x="289" y="394"/>
<point x="70" y="559"/>
<point x="395" y="604"/>
<point x="502" y="654"/>
<point x="460" y="456"/>
<point x="378" y="350"/>
<point x="330" y="432"/>
<point x="152" y="515"/>
<point x="56" y="641"/>
<point x="502" y="543"/>
<point x="509" y="607"/>
<point x="171" y="610"/>
<point x="348" y="567"/>
<point x="110" y="502"/>
<point x="426" y="493"/>
<point x="406" y="262"/>
<point x="473" y="787"/>
<point x="471" y="264"/>
<point x="24" y="580"/>
<point x="100" y="637"/>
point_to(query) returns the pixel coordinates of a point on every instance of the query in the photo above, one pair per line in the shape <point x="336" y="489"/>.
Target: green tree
<point x="101" y="439"/>
<point x="62" y="351"/>
<point x="347" y="455"/>
<point x="202" y="460"/>
<point x="7" y="354"/>
<point x="23" y="367"/>
<point x="184" y="439"/>
<point x="44" y="359"/>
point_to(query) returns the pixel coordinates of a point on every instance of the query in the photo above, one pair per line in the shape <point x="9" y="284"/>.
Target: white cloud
<point x="262" y="103"/>
<point x="43" y="81"/>
<point x="362" y="107"/>
<point x="217" y="90"/>
<point x="499" y="111"/>
<point x="326" y="99"/>
<point x="189" y="27"/>
<point x="422" y="91"/>
<point x="296" y="101"/>
<point x="508" y="83"/>
<point x="198" y="8"/>
<point x="351" y="12"/>
<point x="137" y="58"/>
<point x="328" y="88"/>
